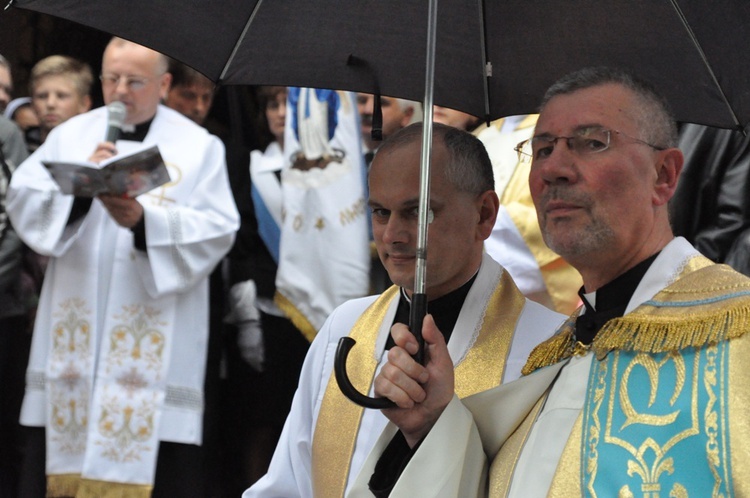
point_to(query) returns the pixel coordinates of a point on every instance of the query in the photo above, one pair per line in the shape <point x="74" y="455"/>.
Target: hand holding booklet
<point x="125" y="176"/>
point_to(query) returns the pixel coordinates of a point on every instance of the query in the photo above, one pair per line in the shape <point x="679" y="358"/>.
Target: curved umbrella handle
<point x="416" y="318"/>
<point x="347" y="388"/>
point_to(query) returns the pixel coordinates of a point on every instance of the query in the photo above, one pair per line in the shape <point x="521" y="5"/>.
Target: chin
<point x="401" y="279"/>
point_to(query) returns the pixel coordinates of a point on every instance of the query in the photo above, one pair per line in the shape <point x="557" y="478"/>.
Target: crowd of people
<point x="183" y="342"/>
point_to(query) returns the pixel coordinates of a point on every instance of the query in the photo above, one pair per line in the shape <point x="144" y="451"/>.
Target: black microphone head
<point x="117" y="114"/>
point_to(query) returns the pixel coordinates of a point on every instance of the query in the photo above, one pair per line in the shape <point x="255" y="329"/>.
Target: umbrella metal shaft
<point x="419" y="297"/>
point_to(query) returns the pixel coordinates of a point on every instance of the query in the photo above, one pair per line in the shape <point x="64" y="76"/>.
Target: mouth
<point x="401" y="259"/>
<point x="561" y="208"/>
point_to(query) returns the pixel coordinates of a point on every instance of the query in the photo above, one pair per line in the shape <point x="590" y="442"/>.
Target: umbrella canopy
<point x="692" y="50"/>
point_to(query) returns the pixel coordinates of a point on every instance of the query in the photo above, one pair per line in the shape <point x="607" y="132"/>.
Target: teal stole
<point x="657" y="424"/>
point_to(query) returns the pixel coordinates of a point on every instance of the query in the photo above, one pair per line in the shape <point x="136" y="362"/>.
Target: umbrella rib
<point x="239" y="41"/>
<point x="702" y="54"/>
<point x="486" y="65"/>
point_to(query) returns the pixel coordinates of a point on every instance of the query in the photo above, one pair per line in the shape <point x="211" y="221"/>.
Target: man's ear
<point x="488" y="205"/>
<point x="408" y="114"/>
<point x="668" y="170"/>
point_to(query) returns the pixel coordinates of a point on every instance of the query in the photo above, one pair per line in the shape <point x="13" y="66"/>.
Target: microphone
<point x="117" y="114"/>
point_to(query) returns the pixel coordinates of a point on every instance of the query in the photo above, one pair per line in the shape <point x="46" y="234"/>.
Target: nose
<point x="121" y="87"/>
<point x="396" y="230"/>
<point x="201" y="107"/>
<point x="559" y="167"/>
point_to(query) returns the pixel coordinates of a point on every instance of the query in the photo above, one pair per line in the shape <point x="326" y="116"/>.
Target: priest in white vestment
<point x="492" y="327"/>
<point x="119" y="348"/>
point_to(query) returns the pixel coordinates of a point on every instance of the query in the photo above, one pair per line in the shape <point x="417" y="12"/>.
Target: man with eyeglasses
<point x="115" y="378"/>
<point x="643" y="391"/>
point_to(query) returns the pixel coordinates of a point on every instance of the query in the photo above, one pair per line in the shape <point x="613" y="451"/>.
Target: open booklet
<point x="124" y="175"/>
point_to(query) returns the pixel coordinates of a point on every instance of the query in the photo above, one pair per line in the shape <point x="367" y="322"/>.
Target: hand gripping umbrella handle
<point x="418" y="311"/>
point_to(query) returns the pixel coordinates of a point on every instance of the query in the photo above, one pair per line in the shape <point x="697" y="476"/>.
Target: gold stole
<point x="482" y="368"/>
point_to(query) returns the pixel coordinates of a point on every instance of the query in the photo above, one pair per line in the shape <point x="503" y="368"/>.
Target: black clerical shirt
<point x="444" y="310"/>
<point x="611" y="301"/>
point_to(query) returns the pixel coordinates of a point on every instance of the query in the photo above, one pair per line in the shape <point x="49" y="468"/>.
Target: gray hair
<point x="654" y="115"/>
<point x="469" y="168"/>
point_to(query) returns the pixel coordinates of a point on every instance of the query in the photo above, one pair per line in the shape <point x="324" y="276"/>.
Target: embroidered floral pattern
<point x="70" y="360"/>
<point x="135" y="360"/>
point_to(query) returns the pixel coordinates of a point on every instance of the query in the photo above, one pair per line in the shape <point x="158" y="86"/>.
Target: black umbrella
<point x="488" y="58"/>
<point x="692" y="50"/>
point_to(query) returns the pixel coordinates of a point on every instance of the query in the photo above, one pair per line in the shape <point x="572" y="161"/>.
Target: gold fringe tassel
<point x="659" y="334"/>
<point x="551" y="351"/>
<point x="650" y="329"/>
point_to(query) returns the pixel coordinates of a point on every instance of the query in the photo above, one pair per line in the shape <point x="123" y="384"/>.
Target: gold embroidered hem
<point x="61" y="485"/>
<point x="705" y="306"/>
<point x="65" y="485"/>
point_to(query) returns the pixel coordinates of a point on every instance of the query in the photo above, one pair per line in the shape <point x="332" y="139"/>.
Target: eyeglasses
<point x="586" y="141"/>
<point x="134" y="83"/>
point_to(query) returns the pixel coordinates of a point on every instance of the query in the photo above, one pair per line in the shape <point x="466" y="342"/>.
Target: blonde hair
<point x="62" y="65"/>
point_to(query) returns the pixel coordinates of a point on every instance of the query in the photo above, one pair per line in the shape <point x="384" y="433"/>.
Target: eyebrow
<point x="575" y="130"/>
<point x="408" y="204"/>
